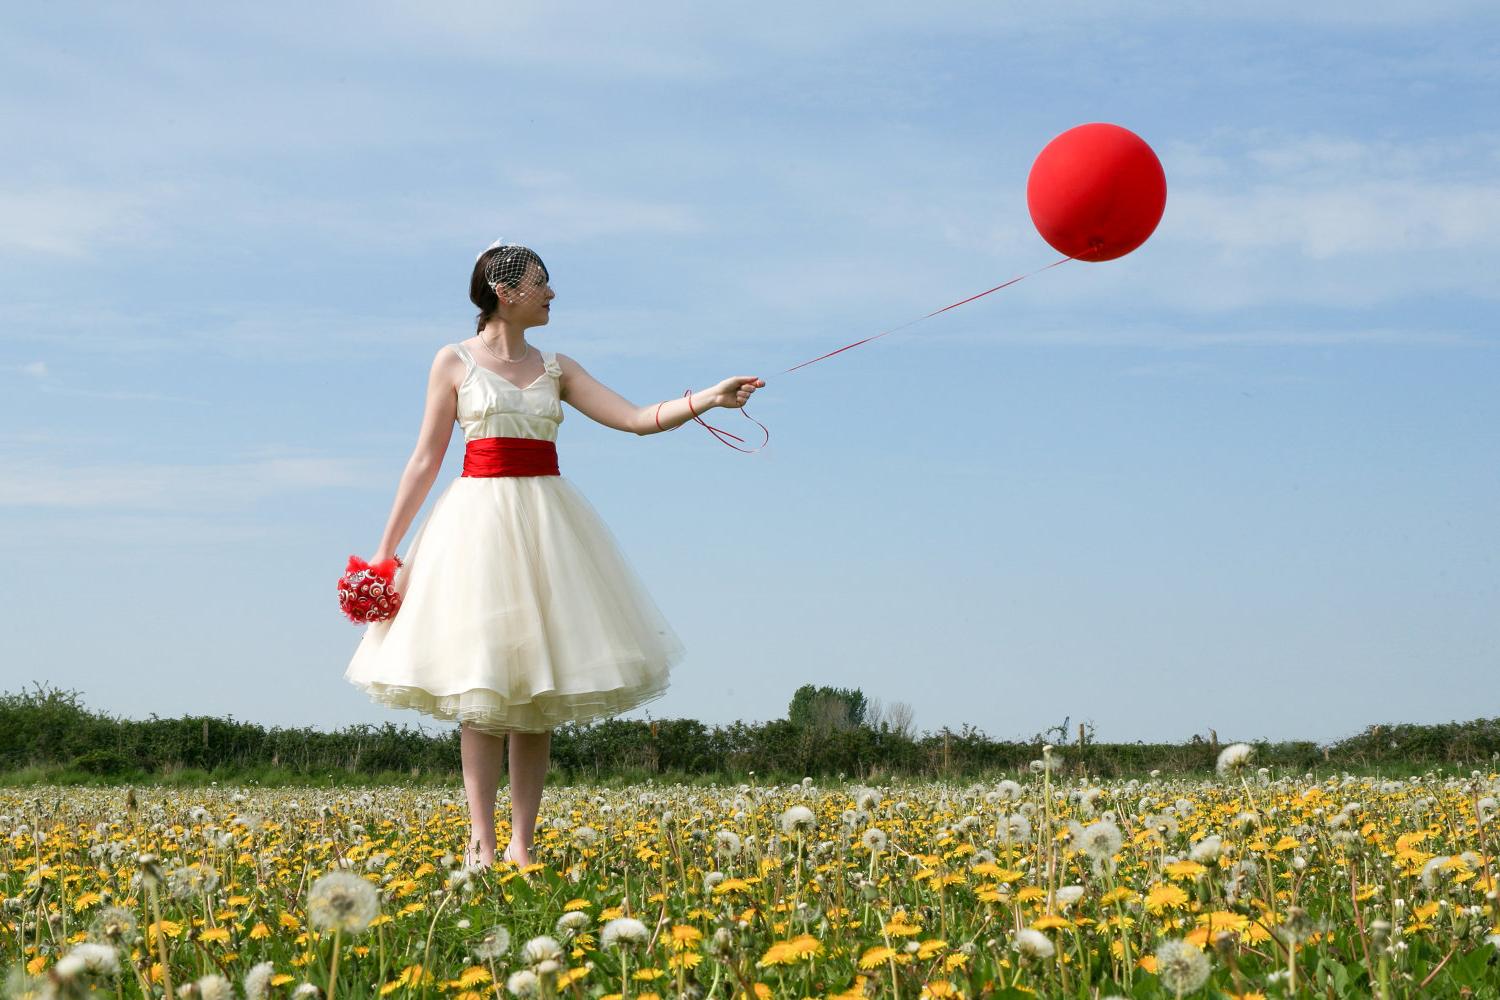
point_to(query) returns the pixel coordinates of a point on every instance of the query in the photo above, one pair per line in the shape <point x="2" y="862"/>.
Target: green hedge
<point x="49" y="727"/>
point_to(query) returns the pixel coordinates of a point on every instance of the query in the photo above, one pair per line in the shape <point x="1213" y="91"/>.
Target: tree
<point x="825" y="709"/>
<point x="899" y="718"/>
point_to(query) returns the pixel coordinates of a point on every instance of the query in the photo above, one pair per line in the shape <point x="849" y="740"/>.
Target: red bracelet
<point x="658" y="416"/>
<point x="722" y="434"/>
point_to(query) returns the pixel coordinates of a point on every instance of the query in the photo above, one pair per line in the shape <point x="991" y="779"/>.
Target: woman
<point x="519" y="612"/>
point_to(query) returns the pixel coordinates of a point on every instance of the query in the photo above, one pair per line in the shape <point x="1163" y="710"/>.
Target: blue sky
<point x="1243" y="478"/>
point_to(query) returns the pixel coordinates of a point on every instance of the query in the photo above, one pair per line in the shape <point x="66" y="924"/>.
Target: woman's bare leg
<point x="482" y="755"/>
<point x="528" y="771"/>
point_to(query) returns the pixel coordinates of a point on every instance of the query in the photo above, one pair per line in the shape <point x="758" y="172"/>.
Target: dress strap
<point x="549" y="361"/>
<point x="463" y="352"/>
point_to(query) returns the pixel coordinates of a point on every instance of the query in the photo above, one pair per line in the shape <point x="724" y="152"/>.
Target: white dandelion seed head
<point x="1432" y="870"/>
<point x="258" y="981"/>
<point x="214" y="987"/>
<point x="523" y="983"/>
<point x="1015" y="827"/>
<point x="493" y="944"/>
<point x="1101" y="840"/>
<point x="539" y="949"/>
<point x="874" y="839"/>
<point x="623" y="932"/>
<point x="572" y="922"/>
<point x="342" y="901"/>
<point x="114" y="925"/>
<point x="798" y="818"/>
<point x="1207" y="850"/>
<point x="1181" y="966"/>
<point x="1234" y="758"/>
<point x="1033" y="943"/>
<point x="867" y="798"/>
<point x="727" y="843"/>
<point x="1008" y="790"/>
<point x="88" y="958"/>
<point x="1067" y="895"/>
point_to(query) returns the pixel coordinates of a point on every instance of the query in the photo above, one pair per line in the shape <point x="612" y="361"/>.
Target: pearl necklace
<point x="510" y="361"/>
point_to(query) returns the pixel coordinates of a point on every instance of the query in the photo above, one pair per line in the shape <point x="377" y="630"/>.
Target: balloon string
<point x="955" y="305"/>
<point x="721" y="433"/>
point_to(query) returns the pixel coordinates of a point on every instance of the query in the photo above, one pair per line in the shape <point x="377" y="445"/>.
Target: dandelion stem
<point x="427" y="949"/>
<point x="333" y="967"/>
<point x="161" y="946"/>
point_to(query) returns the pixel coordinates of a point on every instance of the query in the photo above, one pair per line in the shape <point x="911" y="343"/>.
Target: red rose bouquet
<point x="367" y="593"/>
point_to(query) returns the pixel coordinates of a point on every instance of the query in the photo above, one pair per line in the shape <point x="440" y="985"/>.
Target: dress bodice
<point x="490" y="405"/>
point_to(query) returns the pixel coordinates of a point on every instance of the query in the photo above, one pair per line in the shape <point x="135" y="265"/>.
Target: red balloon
<point x="1096" y="191"/>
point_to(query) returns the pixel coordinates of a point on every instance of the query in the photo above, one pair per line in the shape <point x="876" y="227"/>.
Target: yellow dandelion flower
<point x="288" y="921"/>
<point x="794" y="950"/>
<point x="856" y="990"/>
<point x="1049" y="920"/>
<point x="472" y="976"/>
<point x="876" y="956"/>
<point x="170" y="928"/>
<point x="647" y="974"/>
<point x="572" y="976"/>
<point x="576" y="904"/>
<point x="1165" y="897"/>
<point x="941" y="988"/>
<point x="1185" y="869"/>
<point x="86" y="900"/>
<point x="259" y="931"/>
<point x="931" y="947"/>
<point x="728" y="885"/>
<point x="898" y="926"/>
<point x="684" y="960"/>
<point x="213" y="934"/>
<point x="685" y="935"/>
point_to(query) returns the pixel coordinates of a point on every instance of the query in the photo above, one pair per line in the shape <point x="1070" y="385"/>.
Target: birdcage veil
<point x="508" y="265"/>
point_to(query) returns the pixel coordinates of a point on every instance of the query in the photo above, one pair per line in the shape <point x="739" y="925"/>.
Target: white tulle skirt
<point x="519" y="612"/>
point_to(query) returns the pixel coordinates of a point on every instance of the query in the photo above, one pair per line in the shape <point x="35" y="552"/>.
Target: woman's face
<point x="528" y="304"/>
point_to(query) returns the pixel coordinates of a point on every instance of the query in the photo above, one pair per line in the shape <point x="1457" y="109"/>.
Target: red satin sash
<point x="510" y="456"/>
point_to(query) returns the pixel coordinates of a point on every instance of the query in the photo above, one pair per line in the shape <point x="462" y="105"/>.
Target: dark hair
<point x="511" y="265"/>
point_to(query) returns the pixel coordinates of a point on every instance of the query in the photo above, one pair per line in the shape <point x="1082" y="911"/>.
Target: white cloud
<point x="112" y="486"/>
<point x="76" y="221"/>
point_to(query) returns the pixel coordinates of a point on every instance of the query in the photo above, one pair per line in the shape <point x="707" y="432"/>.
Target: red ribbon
<point x="510" y="456"/>
<point x="386" y="568"/>
<point x="721" y="434"/>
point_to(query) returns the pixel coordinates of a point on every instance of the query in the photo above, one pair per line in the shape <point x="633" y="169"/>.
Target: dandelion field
<point x="1244" y="885"/>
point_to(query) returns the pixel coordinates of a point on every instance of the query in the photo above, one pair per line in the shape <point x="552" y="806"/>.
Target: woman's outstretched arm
<point x="438" y="415"/>
<point x="600" y="403"/>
